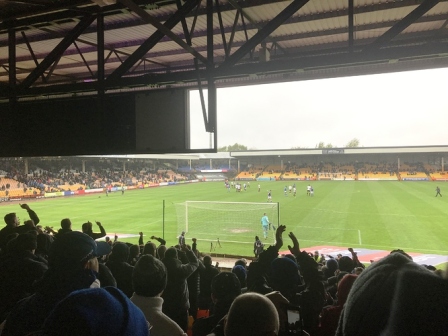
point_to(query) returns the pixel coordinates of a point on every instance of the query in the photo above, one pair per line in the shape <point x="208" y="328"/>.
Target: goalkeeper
<point x="265" y="224"/>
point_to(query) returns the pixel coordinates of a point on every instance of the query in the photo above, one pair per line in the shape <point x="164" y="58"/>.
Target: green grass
<point x="386" y="215"/>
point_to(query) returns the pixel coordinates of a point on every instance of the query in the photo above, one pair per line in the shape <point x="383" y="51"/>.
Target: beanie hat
<point x="420" y="305"/>
<point x="369" y="302"/>
<point x="96" y="311"/>
<point x="74" y="248"/>
<point x="332" y="265"/>
<point x="344" y="287"/>
<point x="284" y="273"/>
<point x="120" y="252"/>
<point x="226" y="286"/>
<point x="171" y="253"/>
<point x="346" y="264"/>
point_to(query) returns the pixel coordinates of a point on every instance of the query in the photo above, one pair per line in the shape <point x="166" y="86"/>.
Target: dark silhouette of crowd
<point x="65" y="282"/>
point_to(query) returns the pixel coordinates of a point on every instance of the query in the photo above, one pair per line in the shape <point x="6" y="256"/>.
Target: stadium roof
<point x="356" y="150"/>
<point x="51" y="47"/>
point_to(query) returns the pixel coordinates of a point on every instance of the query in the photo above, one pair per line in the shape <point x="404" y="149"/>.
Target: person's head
<point x="87" y="227"/>
<point x="66" y="224"/>
<point x="346" y="264"/>
<point x="252" y="314"/>
<point x="134" y="251"/>
<point x="285" y="276"/>
<point x="11" y="219"/>
<point x="241" y="262"/>
<point x="265" y="212"/>
<point x="183" y="233"/>
<point x="150" y="248"/>
<point x="149" y="276"/>
<point x="257" y="238"/>
<point x="161" y="251"/>
<point x="120" y="252"/>
<point x="207" y="260"/>
<point x="171" y="253"/>
<point x="225" y="287"/>
<point x="73" y="250"/>
<point x="369" y="302"/>
<point x="96" y="311"/>
<point x="23" y="242"/>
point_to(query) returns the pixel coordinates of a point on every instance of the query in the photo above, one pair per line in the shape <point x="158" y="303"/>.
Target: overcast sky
<point x="399" y="109"/>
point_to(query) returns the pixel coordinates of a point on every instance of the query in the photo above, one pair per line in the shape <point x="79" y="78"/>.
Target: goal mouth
<point x="236" y="222"/>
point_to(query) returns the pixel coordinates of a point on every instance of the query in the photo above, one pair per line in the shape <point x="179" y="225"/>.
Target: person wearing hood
<point x="120" y="268"/>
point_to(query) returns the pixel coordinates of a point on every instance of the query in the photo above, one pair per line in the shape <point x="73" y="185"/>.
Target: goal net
<point x="237" y="222"/>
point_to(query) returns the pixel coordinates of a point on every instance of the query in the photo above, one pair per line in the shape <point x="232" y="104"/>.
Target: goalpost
<point x="237" y="222"/>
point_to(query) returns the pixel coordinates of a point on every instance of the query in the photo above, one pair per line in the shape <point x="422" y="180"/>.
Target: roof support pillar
<point x="12" y="64"/>
<point x="351" y="11"/>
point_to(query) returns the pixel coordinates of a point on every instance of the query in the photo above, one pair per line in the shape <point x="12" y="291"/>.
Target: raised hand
<point x="279" y="236"/>
<point x="25" y="206"/>
<point x="295" y="249"/>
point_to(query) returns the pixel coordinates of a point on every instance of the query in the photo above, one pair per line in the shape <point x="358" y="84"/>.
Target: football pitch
<point x="382" y="215"/>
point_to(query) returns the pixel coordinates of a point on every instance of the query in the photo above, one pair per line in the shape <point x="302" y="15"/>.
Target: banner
<point x="415" y="179"/>
<point x="332" y="151"/>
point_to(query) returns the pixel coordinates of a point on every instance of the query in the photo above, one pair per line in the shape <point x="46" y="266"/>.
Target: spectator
<point x="330" y="314"/>
<point x="241" y="274"/>
<point x="96" y="311"/>
<point x="225" y="288"/>
<point x="66" y="226"/>
<point x="175" y="296"/>
<point x="120" y="268"/>
<point x="161" y="251"/>
<point x="19" y="269"/>
<point x="150" y="248"/>
<point x="13" y="224"/>
<point x="72" y="265"/>
<point x="252" y="314"/>
<point x="256" y="279"/>
<point x="206" y="274"/>
<point x="87" y="229"/>
<point x="369" y="302"/>
<point x="419" y="306"/>
<point x="150" y="279"/>
<point x="134" y="254"/>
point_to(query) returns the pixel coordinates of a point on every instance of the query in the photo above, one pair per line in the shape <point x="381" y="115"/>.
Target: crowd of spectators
<point x="66" y="283"/>
<point x="59" y="175"/>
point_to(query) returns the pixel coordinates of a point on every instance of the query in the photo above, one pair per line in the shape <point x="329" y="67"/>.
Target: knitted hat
<point x="96" y="311"/>
<point x="369" y="302"/>
<point x="74" y="248"/>
<point x="420" y="305"/>
<point x="346" y="264"/>
<point x="120" y="252"/>
<point x="284" y="274"/>
<point x="226" y="286"/>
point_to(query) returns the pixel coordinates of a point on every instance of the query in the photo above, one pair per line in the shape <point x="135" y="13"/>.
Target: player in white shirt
<point x="308" y="189"/>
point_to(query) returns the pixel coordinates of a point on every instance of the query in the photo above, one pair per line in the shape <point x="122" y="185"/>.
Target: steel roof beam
<point x="264" y="32"/>
<point x="152" y="40"/>
<point x="402" y="25"/>
<point x="251" y="20"/>
<point x="162" y="28"/>
<point x="418" y="37"/>
<point x="279" y="65"/>
<point x="57" y="52"/>
<point x="223" y="8"/>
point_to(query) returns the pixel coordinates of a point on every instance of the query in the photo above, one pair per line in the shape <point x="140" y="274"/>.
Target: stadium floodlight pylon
<point x="237" y="222"/>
